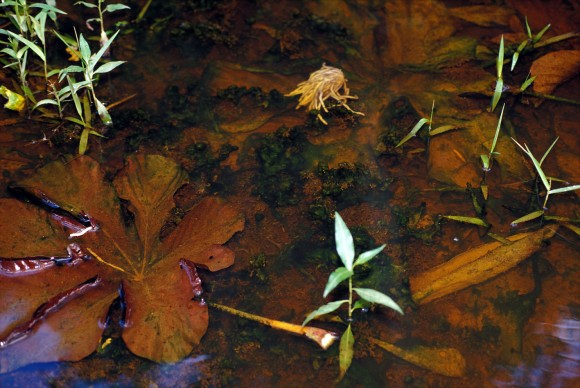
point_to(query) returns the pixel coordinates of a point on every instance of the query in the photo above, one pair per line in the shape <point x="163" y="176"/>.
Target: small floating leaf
<point x="468" y="220"/>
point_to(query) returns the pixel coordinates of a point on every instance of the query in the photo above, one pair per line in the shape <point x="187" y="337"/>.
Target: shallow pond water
<point x="209" y="79"/>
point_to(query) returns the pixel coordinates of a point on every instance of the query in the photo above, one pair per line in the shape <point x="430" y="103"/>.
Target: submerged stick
<point x="444" y="361"/>
<point x="322" y="337"/>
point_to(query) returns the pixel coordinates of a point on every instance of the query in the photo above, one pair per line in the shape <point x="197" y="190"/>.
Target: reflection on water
<point x="559" y="366"/>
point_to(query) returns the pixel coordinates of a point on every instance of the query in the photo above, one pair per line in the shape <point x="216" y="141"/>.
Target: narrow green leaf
<point x="378" y="297"/>
<point x="107" y="67"/>
<point x="520" y="48"/>
<point x="526" y="84"/>
<point x="88" y="5"/>
<point x="325" y="309"/>
<point x="37" y="50"/>
<point x="442" y="129"/>
<point x="528" y="217"/>
<point x="368" y="255"/>
<point x="115" y="7"/>
<point x="540" y="34"/>
<point x="500" y="56"/>
<point x="104" y="49"/>
<point x="413" y="131"/>
<point x="344" y="241"/>
<point x="346" y="351"/>
<point x="84" y="49"/>
<point x="528" y="29"/>
<point x="336" y="277"/>
<point x="548" y="150"/>
<point x="46" y="101"/>
<point x="493" y="144"/>
<point x="75" y="120"/>
<point x="468" y="220"/>
<point x="46" y="7"/>
<point x="562" y="219"/>
<point x="83" y="143"/>
<point x="564" y="189"/>
<point x="95" y="133"/>
<point x="103" y="113"/>
<point x="497" y="93"/>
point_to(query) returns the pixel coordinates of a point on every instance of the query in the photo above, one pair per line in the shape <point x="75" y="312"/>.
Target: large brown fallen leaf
<point x="62" y="268"/>
<point x="476" y="265"/>
<point x="554" y="69"/>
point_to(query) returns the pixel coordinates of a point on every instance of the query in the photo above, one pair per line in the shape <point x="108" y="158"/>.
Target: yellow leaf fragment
<point x="15" y="101"/>
<point x="477" y="265"/>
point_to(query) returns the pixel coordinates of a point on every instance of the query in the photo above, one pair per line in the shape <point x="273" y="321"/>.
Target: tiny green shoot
<point x="487" y="160"/>
<point x="421" y="123"/>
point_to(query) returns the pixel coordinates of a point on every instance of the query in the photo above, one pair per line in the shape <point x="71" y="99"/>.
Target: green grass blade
<point x="37" y="50"/>
<point x="528" y="217"/>
<point x="442" y="129"/>
<point x="468" y="220"/>
<point x="526" y="84"/>
<point x="541" y="34"/>
<point x="564" y="189"/>
<point x="493" y="144"/>
<point x="413" y="131"/>
<point x="548" y="150"/>
<point x="497" y="93"/>
<point x="500" y="58"/>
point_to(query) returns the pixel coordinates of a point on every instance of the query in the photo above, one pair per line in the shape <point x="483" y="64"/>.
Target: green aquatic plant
<point x="100" y="19"/>
<point x="529" y="43"/>
<point x="421" y="123"/>
<point x="346" y="251"/>
<point x="27" y="33"/>
<point x="546" y="182"/>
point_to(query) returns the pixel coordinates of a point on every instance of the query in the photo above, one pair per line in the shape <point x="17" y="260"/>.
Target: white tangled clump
<point x="321" y="85"/>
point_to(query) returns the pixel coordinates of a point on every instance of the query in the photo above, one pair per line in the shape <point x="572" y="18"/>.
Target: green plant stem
<point x="551" y="97"/>
<point x="349" y="298"/>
